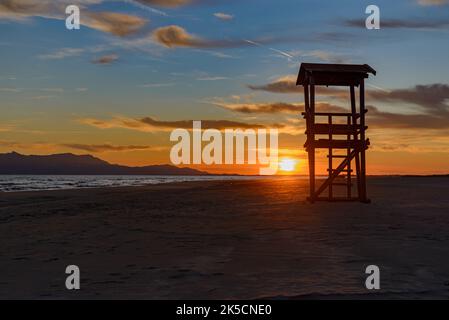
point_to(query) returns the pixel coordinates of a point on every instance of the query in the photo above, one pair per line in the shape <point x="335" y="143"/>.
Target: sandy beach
<point x="226" y="240"/>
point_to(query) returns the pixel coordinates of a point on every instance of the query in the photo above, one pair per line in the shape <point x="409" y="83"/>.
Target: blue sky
<point x="51" y="78"/>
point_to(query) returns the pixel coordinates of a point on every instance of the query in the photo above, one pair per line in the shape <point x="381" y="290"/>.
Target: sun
<point x="287" y="164"/>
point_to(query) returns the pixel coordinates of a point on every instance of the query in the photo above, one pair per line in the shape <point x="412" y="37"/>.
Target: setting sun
<point x="287" y="164"/>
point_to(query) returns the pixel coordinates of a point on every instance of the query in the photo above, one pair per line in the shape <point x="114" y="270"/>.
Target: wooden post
<point x="363" y="142"/>
<point x="308" y="116"/>
<point x="354" y="123"/>
<point x="348" y="152"/>
<point x="330" y="155"/>
<point x="311" y="144"/>
<point x="306" y="102"/>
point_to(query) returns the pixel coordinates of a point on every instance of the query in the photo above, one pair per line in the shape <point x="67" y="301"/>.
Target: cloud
<point x="104" y="147"/>
<point x="432" y="97"/>
<point x="106" y="59"/>
<point x="433" y="2"/>
<point x="114" y="23"/>
<point x="275" y="107"/>
<point x="157" y="85"/>
<point x="148" y="124"/>
<point x="166" y="3"/>
<point x="223" y="16"/>
<point x="402" y="24"/>
<point x="175" y="36"/>
<point x="216" y="78"/>
<point x="63" y="53"/>
<point x="221" y="55"/>
<point x="383" y="119"/>
<point x="205" y="124"/>
<point x="287" y="84"/>
<point x="118" y="24"/>
<point x="432" y="100"/>
<point x="21" y="9"/>
<point x="15" y="90"/>
<point x="324" y="56"/>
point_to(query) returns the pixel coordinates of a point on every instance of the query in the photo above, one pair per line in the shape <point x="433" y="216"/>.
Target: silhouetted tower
<point x="334" y="125"/>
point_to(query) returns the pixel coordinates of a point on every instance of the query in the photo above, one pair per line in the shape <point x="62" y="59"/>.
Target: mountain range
<point x="71" y="164"/>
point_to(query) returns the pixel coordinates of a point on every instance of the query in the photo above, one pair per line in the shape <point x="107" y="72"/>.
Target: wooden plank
<point x="343" y="170"/>
<point x="339" y="156"/>
<point x="335" y="144"/>
<point x="338" y="79"/>
<point x="336" y="129"/>
<point x="334" y="114"/>
<point x="336" y="199"/>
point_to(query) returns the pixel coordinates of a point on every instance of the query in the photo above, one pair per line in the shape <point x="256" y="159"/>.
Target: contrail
<point x="378" y="88"/>
<point x="147" y="8"/>
<point x="285" y="54"/>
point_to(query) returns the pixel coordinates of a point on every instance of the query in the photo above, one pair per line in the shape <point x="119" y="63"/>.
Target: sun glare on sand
<point x="287" y="164"/>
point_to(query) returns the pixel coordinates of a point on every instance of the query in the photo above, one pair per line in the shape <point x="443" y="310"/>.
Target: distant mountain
<point x="68" y="163"/>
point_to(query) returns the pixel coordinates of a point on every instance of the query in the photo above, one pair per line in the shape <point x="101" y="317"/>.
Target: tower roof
<point x="333" y="74"/>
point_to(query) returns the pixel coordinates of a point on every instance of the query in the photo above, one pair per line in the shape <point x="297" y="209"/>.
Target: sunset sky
<point x="138" y="69"/>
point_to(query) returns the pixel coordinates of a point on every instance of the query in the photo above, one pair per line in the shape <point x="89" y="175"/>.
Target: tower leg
<point x="357" y="158"/>
<point x="311" y="139"/>
<point x="363" y="196"/>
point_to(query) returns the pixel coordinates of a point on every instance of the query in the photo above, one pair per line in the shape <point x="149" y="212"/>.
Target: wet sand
<point x="226" y="240"/>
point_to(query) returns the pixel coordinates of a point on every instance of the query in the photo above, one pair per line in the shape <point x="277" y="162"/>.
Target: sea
<point x="17" y="183"/>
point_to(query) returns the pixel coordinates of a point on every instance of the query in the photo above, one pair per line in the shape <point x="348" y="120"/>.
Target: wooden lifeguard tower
<point x="350" y="126"/>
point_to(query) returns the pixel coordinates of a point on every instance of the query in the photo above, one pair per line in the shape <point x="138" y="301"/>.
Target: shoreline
<point x="225" y="178"/>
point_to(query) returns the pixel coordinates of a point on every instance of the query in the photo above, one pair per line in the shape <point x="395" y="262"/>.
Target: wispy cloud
<point x="14" y="90"/>
<point x="63" y="53"/>
<point x="287" y="84"/>
<point x="259" y="44"/>
<point x="173" y="36"/>
<point x="216" y="78"/>
<point x="427" y="120"/>
<point x="427" y="23"/>
<point x="106" y="59"/>
<point x="272" y="107"/>
<point x="156" y="85"/>
<point x="105" y="147"/>
<point x="433" y="2"/>
<point x="431" y="97"/>
<point x="224" y="16"/>
<point x="149" y="124"/>
<point x="118" y="24"/>
<point x="114" y="23"/>
<point x="147" y="7"/>
<point x="166" y="3"/>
